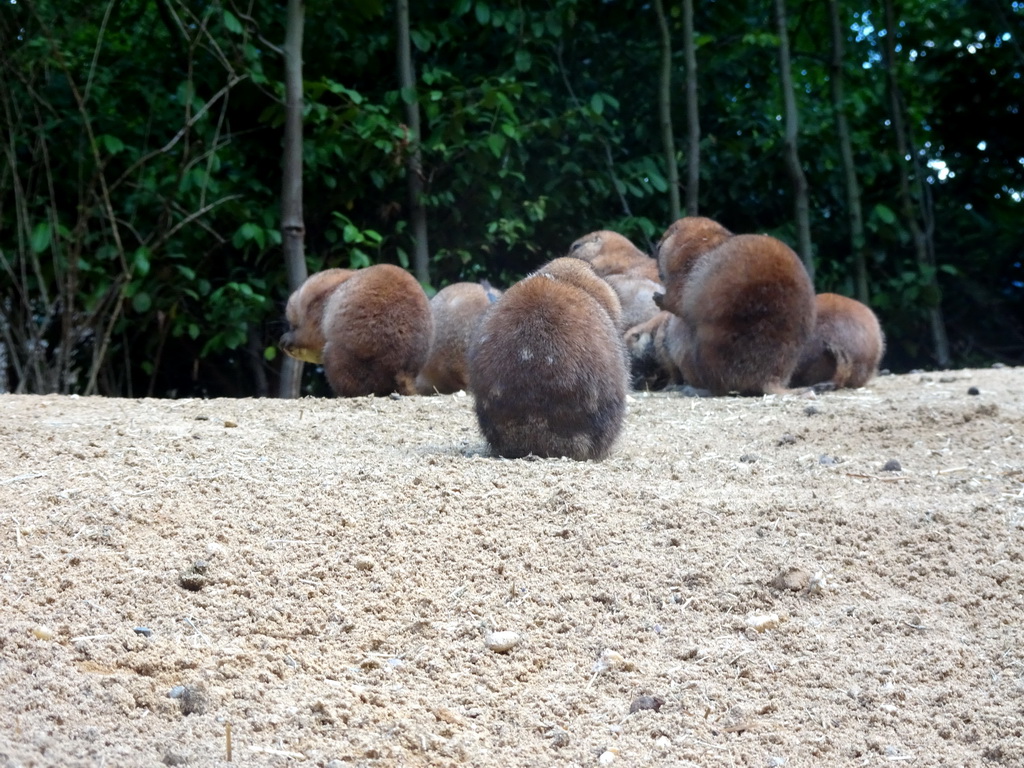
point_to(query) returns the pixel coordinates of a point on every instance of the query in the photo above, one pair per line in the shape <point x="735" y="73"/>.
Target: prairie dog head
<point x="305" y="338"/>
<point x="610" y="253"/>
<point x="683" y="243"/>
<point x="579" y="273"/>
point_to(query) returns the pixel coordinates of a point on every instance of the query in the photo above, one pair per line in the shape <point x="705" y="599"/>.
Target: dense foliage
<point x="141" y="172"/>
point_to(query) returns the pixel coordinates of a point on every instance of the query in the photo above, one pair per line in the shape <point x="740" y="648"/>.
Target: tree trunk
<point x="293" y="229"/>
<point x="923" y="247"/>
<point x="665" y="113"/>
<point x="414" y="163"/>
<point x="857" y="239"/>
<point x="801" y="204"/>
<point x="692" y="113"/>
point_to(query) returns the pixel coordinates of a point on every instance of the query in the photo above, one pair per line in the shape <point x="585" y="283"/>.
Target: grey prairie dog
<point x="653" y="348"/>
<point x="746" y="303"/>
<point x="369" y="328"/>
<point x="610" y="253"/>
<point x="456" y="310"/>
<point x="846" y="347"/>
<point x="548" y="369"/>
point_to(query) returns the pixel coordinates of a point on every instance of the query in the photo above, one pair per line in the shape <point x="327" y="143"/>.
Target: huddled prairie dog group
<point x="550" y="361"/>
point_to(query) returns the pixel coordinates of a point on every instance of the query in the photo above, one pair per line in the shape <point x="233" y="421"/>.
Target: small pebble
<point x="786" y="439"/>
<point x="230" y="424"/>
<point x="144" y="631"/>
<point x="748" y="458"/>
<point x="501" y="642"/>
<point x="176" y="692"/>
<point x="43" y="632"/>
<point x="646" y="702"/>
<point x="175" y="757"/>
<point x="812" y="410"/>
<point x="559" y="737"/>
<point x="763" y="621"/>
<point x="663" y="742"/>
<point x="892" y="465"/>
<point x="395" y="396"/>
<point x="973" y="391"/>
<point x="792" y="579"/>
<point x="364" y="563"/>
<point x="194" y="578"/>
<point x="192" y="700"/>
<point x="817" y="584"/>
<point x="607" y="757"/>
<point x="608" y="659"/>
<point x="827" y="460"/>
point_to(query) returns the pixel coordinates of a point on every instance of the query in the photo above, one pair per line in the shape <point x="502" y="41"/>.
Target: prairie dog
<point x="654" y="347"/>
<point x="547" y="368"/>
<point x="370" y="328"/>
<point x="456" y="310"/>
<point x="846" y="347"/>
<point x="746" y="304"/>
<point x="610" y="253"/>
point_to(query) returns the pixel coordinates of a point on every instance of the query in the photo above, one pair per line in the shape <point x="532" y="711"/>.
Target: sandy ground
<point x="742" y="583"/>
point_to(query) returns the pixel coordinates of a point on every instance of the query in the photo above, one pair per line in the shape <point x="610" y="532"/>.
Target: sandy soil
<point x="742" y="583"/>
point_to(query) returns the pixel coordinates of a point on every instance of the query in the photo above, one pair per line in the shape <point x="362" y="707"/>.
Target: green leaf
<point x="523" y="60"/>
<point x="40" y="237"/>
<point x="270" y="353"/>
<point x="554" y="24"/>
<point x="141" y="261"/>
<point x="657" y="181"/>
<point x="351" y="234"/>
<point x="112" y="144"/>
<point x="141" y="302"/>
<point x="232" y="23"/>
<point x="885" y="214"/>
<point x="420" y="40"/>
<point x="597" y="103"/>
<point x="497" y="144"/>
<point x="483" y="13"/>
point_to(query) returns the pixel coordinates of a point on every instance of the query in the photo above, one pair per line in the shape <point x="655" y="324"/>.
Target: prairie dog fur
<point x="456" y="310"/>
<point x="846" y="347"/>
<point x="369" y="328"/>
<point x="547" y="367"/>
<point x="746" y="304"/>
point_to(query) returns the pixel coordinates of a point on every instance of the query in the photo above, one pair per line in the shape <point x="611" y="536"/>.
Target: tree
<point x="692" y="113"/>
<point x="912" y="208"/>
<point x="414" y="161"/>
<point x="293" y="229"/>
<point x="665" y="112"/>
<point x="853" y="205"/>
<point x="801" y="204"/>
